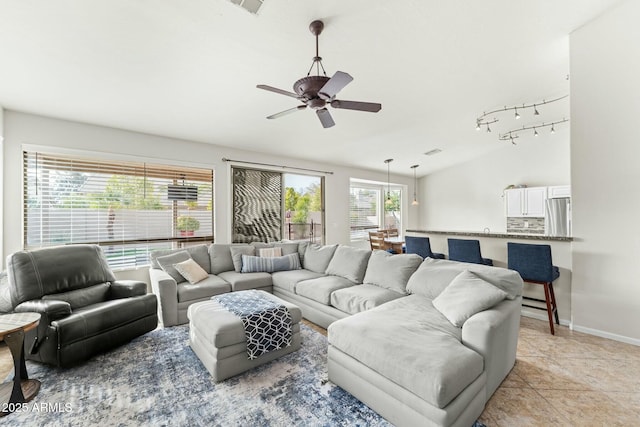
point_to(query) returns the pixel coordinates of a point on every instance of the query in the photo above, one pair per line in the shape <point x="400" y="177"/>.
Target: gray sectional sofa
<point x="422" y="342"/>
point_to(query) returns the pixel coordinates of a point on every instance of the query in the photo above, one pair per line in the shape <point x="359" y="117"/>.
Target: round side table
<point x="21" y="389"/>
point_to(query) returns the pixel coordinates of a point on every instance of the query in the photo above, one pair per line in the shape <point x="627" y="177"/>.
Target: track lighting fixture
<point x="512" y="134"/>
<point x="483" y="121"/>
<point x="488" y="129"/>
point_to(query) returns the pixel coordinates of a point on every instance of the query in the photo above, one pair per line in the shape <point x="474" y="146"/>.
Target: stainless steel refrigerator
<point x="557" y="220"/>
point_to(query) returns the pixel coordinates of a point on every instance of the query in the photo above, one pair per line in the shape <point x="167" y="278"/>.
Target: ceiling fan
<point x="318" y="91"/>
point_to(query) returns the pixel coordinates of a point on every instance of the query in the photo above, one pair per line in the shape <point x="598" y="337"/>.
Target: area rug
<point x="157" y="380"/>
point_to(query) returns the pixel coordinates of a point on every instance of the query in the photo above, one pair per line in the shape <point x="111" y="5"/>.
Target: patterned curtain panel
<point x="257" y="205"/>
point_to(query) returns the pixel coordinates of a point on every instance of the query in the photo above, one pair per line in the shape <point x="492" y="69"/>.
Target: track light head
<point x="553" y="129"/>
<point x="535" y="132"/>
<point x="517" y="114"/>
<point x="535" y="111"/>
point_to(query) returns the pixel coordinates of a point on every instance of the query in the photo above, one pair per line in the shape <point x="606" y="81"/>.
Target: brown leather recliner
<point x="84" y="309"/>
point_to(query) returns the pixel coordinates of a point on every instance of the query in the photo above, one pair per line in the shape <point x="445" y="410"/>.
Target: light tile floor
<point x="570" y="379"/>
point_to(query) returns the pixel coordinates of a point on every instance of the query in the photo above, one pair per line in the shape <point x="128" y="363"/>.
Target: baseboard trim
<point x="607" y="335"/>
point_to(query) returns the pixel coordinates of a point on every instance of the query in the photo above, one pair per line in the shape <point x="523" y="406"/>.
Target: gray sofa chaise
<point x="422" y="342"/>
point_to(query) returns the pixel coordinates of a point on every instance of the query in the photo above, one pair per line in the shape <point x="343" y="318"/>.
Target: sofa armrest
<point x="126" y="289"/>
<point x="493" y="334"/>
<point x="50" y="309"/>
<point x="166" y="289"/>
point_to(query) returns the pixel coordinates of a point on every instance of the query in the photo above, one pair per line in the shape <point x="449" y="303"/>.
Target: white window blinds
<point x="128" y="208"/>
<point x="364" y="213"/>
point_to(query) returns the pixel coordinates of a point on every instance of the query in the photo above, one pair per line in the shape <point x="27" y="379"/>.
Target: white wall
<point x="468" y="197"/>
<point x="1" y="182"/>
<point x="21" y="129"/>
<point x="605" y="151"/>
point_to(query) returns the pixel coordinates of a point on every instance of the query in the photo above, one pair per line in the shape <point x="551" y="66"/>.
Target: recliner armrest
<point x="50" y="309"/>
<point x="127" y="289"/>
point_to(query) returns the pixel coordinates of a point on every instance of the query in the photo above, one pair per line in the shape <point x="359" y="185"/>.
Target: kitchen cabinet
<point x="525" y="202"/>
<point x="558" y="191"/>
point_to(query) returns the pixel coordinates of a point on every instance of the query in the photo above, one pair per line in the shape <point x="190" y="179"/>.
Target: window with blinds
<point x="364" y="212"/>
<point x="128" y="208"/>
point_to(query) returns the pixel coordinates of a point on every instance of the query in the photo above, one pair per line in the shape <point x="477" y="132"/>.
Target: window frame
<point x="382" y="188"/>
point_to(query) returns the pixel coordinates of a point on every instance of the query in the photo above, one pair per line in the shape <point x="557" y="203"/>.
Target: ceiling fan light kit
<point x="316" y="91"/>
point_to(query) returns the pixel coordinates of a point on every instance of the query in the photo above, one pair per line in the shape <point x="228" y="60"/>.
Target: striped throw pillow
<point x="254" y="264"/>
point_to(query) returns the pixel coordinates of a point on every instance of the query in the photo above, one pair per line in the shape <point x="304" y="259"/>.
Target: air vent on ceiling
<point x="432" y="152"/>
<point x="251" y="6"/>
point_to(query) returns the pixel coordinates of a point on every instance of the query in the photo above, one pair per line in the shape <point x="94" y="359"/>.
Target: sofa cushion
<point x="82" y="297"/>
<point x="236" y="255"/>
<point x="212" y="285"/>
<point x="5" y="294"/>
<point x="191" y="271"/>
<point x="199" y="253"/>
<point x="166" y="263"/>
<point x="220" y="254"/>
<point x="361" y="298"/>
<point x="391" y="271"/>
<point x="287" y="280"/>
<point x="320" y="289"/>
<point x="350" y="263"/>
<point x="465" y="296"/>
<point x="271" y="252"/>
<point x="253" y="264"/>
<point x="434" y="275"/>
<point x="422" y="350"/>
<point x="244" y="281"/>
<point x="317" y="257"/>
<point x="288" y="247"/>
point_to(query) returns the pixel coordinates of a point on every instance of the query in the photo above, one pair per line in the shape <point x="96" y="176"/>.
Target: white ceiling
<point x="189" y="69"/>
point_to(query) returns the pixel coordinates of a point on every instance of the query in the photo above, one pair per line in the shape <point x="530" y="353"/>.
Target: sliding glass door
<point x="271" y="206"/>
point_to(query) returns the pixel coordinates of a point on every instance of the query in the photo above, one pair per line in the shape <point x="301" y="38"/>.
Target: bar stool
<point x="466" y="250"/>
<point x="421" y="246"/>
<point x="534" y="264"/>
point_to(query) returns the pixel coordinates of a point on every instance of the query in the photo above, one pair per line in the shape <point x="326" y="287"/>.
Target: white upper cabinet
<point x="558" y="191"/>
<point x="525" y="202"/>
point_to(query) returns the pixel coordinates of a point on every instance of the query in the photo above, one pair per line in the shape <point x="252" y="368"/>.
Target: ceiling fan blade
<point x="276" y="90"/>
<point x="285" y="112"/>
<point x="371" y="107"/>
<point x="325" y="118"/>
<point x="334" y="85"/>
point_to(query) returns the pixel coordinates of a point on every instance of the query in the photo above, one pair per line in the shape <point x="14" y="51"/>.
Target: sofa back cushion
<point x="236" y="255"/>
<point x="221" y="259"/>
<point x="350" y="263"/>
<point x="317" y="257"/>
<point x="33" y="274"/>
<point x="391" y="271"/>
<point x="199" y="253"/>
<point x="167" y="262"/>
<point x="435" y="274"/>
<point x="82" y="297"/>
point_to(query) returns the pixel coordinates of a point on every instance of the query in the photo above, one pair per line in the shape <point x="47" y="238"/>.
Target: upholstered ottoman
<point x="218" y="338"/>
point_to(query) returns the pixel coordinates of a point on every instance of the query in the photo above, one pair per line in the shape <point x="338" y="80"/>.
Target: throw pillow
<point x="317" y="257"/>
<point x="269" y="252"/>
<point x="350" y="263"/>
<point x="166" y="263"/>
<point x="391" y="271"/>
<point x="191" y="271"/>
<point x="465" y="296"/>
<point x="254" y="264"/>
<point x="236" y="255"/>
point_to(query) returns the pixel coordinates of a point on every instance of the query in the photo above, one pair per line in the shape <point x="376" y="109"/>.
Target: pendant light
<point x="415" y="186"/>
<point x="388" y="202"/>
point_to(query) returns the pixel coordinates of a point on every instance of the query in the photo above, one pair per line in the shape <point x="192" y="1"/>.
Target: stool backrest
<point x="465" y="250"/>
<point x="376" y="239"/>
<point x="533" y="262"/>
<point x="418" y="245"/>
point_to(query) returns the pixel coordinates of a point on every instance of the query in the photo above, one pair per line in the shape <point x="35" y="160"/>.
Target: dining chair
<point x="535" y="265"/>
<point x="421" y="246"/>
<point x="376" y="240"/>
<point x="466" y="250"/>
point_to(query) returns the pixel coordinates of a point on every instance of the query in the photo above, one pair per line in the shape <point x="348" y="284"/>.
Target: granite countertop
<point x="497" y="235"/>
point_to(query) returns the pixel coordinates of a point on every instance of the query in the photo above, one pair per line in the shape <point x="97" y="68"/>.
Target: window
<point x="264" y="212"/>
<point x="373" y="207"/>
<point x="128" y="208"/>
